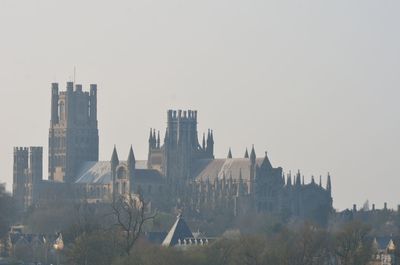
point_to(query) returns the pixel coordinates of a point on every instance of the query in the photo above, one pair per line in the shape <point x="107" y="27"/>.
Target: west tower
<point x="73" y="134"/>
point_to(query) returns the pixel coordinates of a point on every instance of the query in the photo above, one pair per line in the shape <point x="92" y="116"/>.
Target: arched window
<point x="121" y="173"/>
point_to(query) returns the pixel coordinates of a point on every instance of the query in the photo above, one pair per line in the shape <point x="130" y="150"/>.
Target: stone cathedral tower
<point x="181" y="146"/>
<point x="73" y="134"/>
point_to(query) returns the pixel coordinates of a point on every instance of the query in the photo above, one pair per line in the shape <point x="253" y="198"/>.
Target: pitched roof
<point x="179" y="231"/>
<point x="383" y="243"/>
<point x="216" y="168"/>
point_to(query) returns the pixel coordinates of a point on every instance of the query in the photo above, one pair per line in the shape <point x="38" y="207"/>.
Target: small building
<point x="384" y="251"/>
<point x="181" y="236"/>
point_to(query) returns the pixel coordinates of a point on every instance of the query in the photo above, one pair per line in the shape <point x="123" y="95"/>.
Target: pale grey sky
<point x="315" y="83"/>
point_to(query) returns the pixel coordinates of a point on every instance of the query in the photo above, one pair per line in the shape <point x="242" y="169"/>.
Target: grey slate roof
<point x="382" y="242"/>
<point x="179" y="231"/>
<point x="217" y="168"/>
<point x="203" y="169"/>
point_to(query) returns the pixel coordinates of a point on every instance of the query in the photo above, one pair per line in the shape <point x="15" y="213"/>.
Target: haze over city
<point x="313" y="83"/>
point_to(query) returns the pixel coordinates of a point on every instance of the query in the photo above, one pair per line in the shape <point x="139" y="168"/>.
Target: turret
<point x="204" y="142"/>
<point x="158" y="140"/>
<point x="93" y="103"/>
<point x="54" y="103"/>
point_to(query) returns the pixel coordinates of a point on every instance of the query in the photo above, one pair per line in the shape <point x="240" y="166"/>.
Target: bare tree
<point x="130" y="214"/>
<point x="352" y="245"/>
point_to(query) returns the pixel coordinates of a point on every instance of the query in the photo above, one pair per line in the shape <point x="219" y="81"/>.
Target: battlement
<point x="189" y="115"/>
<point x="36" y="149"/>
<point x="70" y="89"/>
<point x="21" y="150"/>
<point x="74" y="104"/>
<point x="26" y="151"/>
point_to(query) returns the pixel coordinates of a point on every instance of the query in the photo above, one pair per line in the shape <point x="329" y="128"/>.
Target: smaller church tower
<point x="27" y="175"/>
<point x="21" y="158"/>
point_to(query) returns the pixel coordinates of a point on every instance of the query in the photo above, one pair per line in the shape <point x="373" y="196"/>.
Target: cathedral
<point x="180" y="172"/>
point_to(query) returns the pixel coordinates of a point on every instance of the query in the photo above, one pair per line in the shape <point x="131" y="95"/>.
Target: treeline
<point x="8" y="213"/>
<point x="102" y="234"/>
<point x="303" y="245"/>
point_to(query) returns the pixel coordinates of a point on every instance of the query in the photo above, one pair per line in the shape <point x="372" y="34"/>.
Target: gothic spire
<point x="229" y="153"/>
<point x="253" y="155"/>
<point x="246" y="154"/>
<point x="131" y="158"/>
<point x="289" y="179"/>
<point x="298" y="180"/>
<point x="114" y="158"/>
<point x="204" y="141"/>
<point x="328" y="184"/>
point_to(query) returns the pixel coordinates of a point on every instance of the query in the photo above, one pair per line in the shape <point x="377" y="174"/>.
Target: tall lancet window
<point x="61" y="114"/>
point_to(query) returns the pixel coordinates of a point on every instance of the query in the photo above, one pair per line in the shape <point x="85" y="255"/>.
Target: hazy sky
<point x="314" y="83"/>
